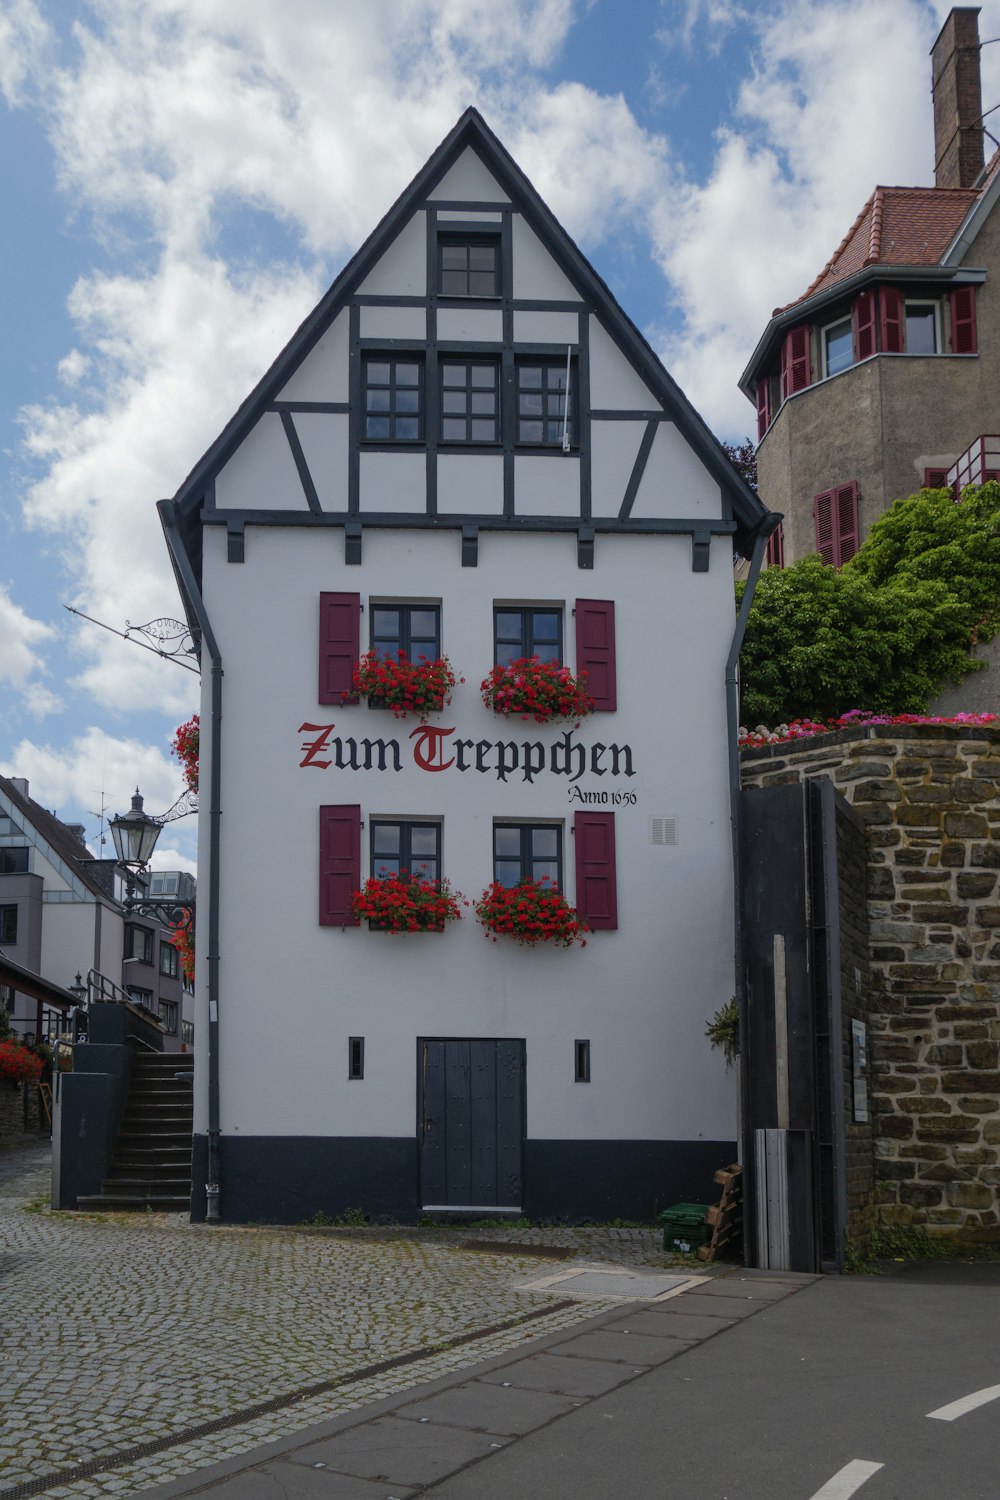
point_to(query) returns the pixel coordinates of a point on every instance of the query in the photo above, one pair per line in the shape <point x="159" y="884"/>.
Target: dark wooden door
<point x="471" y="1122"/>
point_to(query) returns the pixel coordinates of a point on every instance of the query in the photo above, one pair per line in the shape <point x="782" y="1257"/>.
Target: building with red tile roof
<point x="877" y="379"/>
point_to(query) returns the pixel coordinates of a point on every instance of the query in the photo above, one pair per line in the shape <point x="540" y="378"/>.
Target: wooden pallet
<point x="726" y="1217"/>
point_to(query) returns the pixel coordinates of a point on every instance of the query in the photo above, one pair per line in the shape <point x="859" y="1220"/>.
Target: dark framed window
<point x="356" y="1057"/>
<point x="414" y="629"/>
<point x="581" y="1061"/>
<point x="14" y="861"/>
<point x="404" y="845"/>
<point x="526" y="631"/>
<point x="527" y="851"/>
<point x="394" y="398"/>
<point x="140" y="997"/>
<point x="922" y="335"/>
<point x="469" y="265"/>
<point x="139" y="943"/>
<point x="470" y="401"/>
<point x="8" y="924"/>
<point x="169" y="960"/>
<point x="543" y="415"/>
<point x="187" y="1033"/>
<point x="167" y="1011"/>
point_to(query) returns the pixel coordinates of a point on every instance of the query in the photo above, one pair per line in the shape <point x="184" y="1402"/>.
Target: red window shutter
<point x="763" y="406"/>
<point x="892" y="320"/>
<point x="596" y="882"/>
<point x="846" y="516"/>
<point x="339" y="864"/>
<point x="595" y="650"/>
<point x="339" y="646"/>
<point x="963" y="320"/>
<point x="795" y="361"/>
<point x="936" y="479"/>
<point x="863" y="316"/>
<point x="775" y="554"/>
<point x="823" y="517"/>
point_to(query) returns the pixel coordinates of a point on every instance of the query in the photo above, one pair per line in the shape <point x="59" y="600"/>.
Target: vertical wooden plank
<point x="483" y="1123"/>
<point x="433" y="1176"/>
<point x="510" y="1121"/>
<point x="457" y="1111"/>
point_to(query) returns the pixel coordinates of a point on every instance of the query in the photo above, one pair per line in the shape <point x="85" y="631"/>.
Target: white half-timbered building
<point x="467" y="449"/>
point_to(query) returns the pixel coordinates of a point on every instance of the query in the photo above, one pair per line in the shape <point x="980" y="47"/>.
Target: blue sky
<point x="183" y="178"/>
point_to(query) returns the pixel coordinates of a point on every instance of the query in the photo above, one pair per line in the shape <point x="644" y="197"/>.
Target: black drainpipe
<point x="171" y="530"/>
<point x="769" y="524"/>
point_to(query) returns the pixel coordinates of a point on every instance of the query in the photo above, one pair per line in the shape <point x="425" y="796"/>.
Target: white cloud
<point x="25" y="38"/>
<point x="73" y="367"/>
<point x="170" y="857"/>
<point x="40" y="702"/>
<point x="70" y="778"/>
<point x="21" y="636"/>
<point x="815" y="128"/>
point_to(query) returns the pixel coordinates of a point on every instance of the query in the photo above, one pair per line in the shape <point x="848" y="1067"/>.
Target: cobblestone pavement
<point x="119" y="1330"/>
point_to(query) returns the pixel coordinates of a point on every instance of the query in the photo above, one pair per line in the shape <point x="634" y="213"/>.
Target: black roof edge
<point x="798" y="312"/>
<point x="471" y="129"/>
<point x="171" y="508"/>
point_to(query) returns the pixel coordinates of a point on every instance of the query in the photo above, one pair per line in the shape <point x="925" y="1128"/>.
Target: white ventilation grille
<point x="663" y="830"/>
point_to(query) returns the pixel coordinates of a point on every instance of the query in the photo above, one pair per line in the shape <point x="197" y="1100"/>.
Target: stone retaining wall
<point x="930" y="799"/>
<point x="20" y="1109"/>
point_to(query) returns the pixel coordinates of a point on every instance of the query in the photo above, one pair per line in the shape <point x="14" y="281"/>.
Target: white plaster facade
<point x="294" y="502"/>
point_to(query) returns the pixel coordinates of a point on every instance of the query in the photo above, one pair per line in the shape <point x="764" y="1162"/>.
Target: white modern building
<point x="466" y="449"/>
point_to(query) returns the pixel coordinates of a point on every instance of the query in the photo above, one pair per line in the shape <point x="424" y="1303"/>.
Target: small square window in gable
<point x="469" y="265"/>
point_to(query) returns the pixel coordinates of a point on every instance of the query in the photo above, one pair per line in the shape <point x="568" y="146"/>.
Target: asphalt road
<point x="797" y="1403"/>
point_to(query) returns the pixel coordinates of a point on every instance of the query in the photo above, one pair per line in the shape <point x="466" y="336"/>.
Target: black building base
<point x="291" y="1179"/>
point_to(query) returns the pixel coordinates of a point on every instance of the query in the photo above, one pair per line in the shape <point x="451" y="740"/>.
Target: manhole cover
<point x="605" y="1281"/>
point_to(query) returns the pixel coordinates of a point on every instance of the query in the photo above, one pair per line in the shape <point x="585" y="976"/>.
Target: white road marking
<point x="967" y="1403"/>
<point x="848" y="1479"/>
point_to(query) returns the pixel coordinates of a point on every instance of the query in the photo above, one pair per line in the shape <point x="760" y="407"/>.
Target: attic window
<point x="469" y="265"/>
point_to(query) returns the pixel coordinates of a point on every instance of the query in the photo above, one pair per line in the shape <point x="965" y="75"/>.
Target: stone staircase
<point x="151" y="1167"/>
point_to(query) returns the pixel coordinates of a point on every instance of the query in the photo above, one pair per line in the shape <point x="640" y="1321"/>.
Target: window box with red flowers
<point x="532" y="912"/>
<point x="405" y="903"/>
<point x="407" y="687"/>
<point x="535" y="689"/>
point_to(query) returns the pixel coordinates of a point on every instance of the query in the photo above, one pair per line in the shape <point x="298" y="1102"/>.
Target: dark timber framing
<point x="743" y="514"/>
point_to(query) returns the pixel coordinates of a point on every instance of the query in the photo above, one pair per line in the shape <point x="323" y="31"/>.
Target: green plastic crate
<point x="684" y="1228"/>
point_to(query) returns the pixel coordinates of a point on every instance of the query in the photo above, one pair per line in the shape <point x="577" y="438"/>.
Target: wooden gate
<point x="471" y="1122"/>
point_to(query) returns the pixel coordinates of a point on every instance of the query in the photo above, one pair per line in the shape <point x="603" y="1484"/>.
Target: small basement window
<point x="356" y="1057"/>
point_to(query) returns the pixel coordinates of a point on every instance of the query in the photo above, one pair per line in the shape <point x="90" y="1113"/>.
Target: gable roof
<point x="71" y="851"/>
<point x="471" y="130"/>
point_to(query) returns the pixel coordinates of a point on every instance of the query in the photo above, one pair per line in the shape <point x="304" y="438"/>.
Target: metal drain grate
<point x="606" y="1281"/>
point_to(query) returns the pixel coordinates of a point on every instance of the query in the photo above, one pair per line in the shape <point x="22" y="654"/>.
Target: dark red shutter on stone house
<point x="763" y="406"/>
<point x="795" y="361"/>
<point x="595" y="650"/>
<point x="864" y="326"/>
<point x="892" y="320"/>
<point x="339" y="864"/>
<point x="963" y="320"/>
<point x="596" y="881"/>
<point x="936" y="479"/>
<point x="339" y="646"/>
<point x="775" y="554"/>
<point x="835" y="513"/>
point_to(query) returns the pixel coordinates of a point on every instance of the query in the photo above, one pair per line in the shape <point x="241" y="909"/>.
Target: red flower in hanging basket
<point x="185" y="746"/>
<point x="533" y="912"/>
<point x="536" y="689"/>
<point x="182" y="938"/>
<point x="19" y="1064"/>
<point x="419" y="687"/>
<point x="405" y="903"/>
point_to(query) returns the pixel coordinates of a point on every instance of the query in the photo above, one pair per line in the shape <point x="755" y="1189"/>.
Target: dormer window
<point x="469" y="265"/>
<point x="393" y="398"/>
<point x="838" y="346"/>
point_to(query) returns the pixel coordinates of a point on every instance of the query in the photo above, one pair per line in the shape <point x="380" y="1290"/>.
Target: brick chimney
<point x="958" y="100"/>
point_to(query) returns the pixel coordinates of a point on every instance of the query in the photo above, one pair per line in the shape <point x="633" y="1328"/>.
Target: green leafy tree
<point x="887" y="629"/>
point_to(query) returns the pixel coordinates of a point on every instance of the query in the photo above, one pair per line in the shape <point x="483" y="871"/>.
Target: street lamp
<point x="135" y="834"/>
